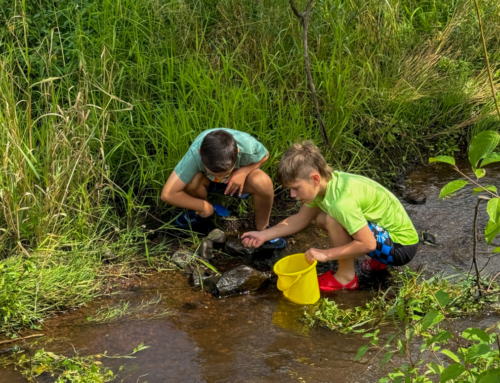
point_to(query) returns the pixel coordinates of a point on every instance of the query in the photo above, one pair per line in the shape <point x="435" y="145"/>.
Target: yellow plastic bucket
<point x="297" y="279"/>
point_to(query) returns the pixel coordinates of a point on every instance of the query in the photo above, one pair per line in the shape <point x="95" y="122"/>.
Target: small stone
<point x="182" y="258"/>
<point x="241" y="279"/>
<point x="210" y="285"/>
<point x="417" y="198"/>
<point x="429" y="239"/>
<point x="217" y="236"/>
<point x="234" y="246"/>
<point x="206" y="249"/>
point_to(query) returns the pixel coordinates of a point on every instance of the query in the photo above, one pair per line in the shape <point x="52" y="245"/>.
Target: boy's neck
<point x="322" y="186"/>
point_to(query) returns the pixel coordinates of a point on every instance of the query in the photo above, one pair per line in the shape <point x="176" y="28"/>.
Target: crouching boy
<point x="222" y="161"/>
<point x="360" y="216"/>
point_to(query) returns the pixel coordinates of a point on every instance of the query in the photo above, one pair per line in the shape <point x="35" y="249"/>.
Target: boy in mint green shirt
<point x="360" y="215"/>
<point x="222" y="161"/>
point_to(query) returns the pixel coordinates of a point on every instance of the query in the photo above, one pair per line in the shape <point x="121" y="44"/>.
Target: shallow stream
<point x="258" y="337"/>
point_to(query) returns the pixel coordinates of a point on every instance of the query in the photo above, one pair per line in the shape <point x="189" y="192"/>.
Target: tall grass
<point x="99" y="100"/>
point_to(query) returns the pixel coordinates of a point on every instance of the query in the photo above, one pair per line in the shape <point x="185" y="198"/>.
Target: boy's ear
<point x="316" y="178"/>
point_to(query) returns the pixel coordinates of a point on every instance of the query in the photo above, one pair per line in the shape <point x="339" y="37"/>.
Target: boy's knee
<point x="321" y="220"/>
<point x="198" y="180"/>
<point x="260" y="182"/>
<point x="331" y="222"/>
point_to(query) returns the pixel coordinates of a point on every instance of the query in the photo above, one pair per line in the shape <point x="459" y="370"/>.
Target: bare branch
<point x="304" y="19"/>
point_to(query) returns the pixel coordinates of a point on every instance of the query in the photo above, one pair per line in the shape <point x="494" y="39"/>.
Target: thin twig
<point x="304" y="20"/>
<point x="474" y="247"/>
<point x="487" y="58"/>
<point x="17" y="339"/>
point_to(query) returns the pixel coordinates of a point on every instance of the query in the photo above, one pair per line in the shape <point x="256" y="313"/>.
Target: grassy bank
<point x="100" y="99"/>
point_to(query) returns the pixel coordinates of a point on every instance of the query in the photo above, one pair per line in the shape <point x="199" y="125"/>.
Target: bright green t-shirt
<point x="353" y="200"/>
<point x="251" y="151"/>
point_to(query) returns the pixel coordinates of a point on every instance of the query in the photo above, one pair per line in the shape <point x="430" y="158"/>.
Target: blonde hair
<point x="298" y="162"/>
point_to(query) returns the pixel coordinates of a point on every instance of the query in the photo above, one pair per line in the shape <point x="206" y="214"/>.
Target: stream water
<point x="258" y="337"/>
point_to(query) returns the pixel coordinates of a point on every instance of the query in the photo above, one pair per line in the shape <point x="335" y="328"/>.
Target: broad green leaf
<point x="451" y="372"/>
<point x="446" y="159"/>
<point x="361" y="351"/>
<point x="439" y="337"/>
<point x="435" y="368"/>
<point x="451" y="355"/>
<point x="473" y="333"/>
<point x="442" y="298"/>
<point x="494" y="157"/>
<point x="430" y="319"/>
<point x="493" y="225"/>
<point x="452" y="187"/>
<point x="491" y="376"/>
<point x="482" y="146"/>
<point x="489" y="187"/>
<point x="387" y="357"/>
<point x="480" y="173"/>
<point x="497" y="250"/>
<point x="476" y="351"/>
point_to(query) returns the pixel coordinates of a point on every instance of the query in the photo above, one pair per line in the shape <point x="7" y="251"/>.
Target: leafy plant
<point x="472" y="357"/>
<point x="409" y="297"/>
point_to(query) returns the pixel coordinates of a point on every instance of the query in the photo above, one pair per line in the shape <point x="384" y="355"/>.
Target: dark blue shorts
<point x="389" y="252"/>
<point x="220" y="188"/>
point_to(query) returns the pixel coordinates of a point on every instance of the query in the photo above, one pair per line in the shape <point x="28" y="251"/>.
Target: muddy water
<point x="257" y="337"/>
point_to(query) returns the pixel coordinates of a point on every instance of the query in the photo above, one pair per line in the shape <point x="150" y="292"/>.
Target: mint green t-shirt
<point x="251" y="151"/>
<point x="353" y="200"/>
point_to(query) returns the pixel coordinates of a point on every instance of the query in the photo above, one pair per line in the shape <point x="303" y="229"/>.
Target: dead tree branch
<point x="304" y="20"/>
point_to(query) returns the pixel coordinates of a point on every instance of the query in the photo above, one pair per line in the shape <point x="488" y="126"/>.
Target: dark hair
<point x="219" y="151"/>
<point x="298" y="162"/>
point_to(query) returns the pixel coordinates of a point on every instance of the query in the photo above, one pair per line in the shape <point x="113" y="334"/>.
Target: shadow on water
<point x="258" y="337"/>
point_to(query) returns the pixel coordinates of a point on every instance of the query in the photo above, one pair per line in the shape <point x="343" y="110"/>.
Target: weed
<point x="411" y="296"/>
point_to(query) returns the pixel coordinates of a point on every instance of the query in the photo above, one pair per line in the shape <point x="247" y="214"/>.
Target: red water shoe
<point x="371" y="264"/>
<point x="327" y="282"/>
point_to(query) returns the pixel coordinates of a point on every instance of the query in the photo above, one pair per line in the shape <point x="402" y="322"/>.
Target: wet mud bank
<point x="258" y="336"/>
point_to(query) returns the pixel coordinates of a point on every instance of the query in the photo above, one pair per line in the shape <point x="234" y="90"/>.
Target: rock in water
<point x="429" y="239"/>
<point x="217" y="236"/>
<point x="241" y="279"/>
<point x="206" y="249"/>
<point x="182" y="257"/>
<point x="416" y="198"/>
<point x="235" y="247"/>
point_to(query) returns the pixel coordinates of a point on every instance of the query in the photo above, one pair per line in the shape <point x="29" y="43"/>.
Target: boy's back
<point x="353" y="200"/>
<point x="250" y="151"/>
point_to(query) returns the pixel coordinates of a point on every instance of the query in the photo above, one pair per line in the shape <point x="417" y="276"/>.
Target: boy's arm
<point x="286" y="227"/>
<point x="173" y="194"/>
<point x="236" y="182"/>
<point x="363" y="242"/>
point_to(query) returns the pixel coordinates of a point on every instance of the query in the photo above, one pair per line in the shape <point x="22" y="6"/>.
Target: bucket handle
<point x="283" y="288"/>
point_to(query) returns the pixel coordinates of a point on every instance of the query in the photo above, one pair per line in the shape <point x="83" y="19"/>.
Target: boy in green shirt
<point x="222" y="161"/>
<point x="360" y="215"/>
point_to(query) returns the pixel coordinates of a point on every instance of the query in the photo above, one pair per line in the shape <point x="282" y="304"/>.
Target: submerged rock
<point x="217" y="236"/>
<point x="182" y="258"/>
<point x="234" y="246"/>
<point x="242" y="278"/>
<point x="429" y="239"/>
<point x="206" y="249"/>
<point x="416" y="198"/>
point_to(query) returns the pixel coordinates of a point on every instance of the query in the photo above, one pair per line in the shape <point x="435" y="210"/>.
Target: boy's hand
<point x="316" y="254"/>
<point x="207" y="211"/>
<point x="253" y="239"/>
<point x="236" y="181"/>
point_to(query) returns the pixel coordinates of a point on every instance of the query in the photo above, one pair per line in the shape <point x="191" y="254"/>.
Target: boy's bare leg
<point x="339" y="237"/>
<point x="197" y="187"/>
<point x="260" y="185"/>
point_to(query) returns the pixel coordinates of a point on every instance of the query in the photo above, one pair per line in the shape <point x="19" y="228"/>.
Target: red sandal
<point x="327" y="282"/>
<point x="371" y="264"/>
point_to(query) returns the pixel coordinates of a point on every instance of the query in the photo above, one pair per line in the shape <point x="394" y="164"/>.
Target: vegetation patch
<point x="77" y="369"/>
<point x="411" y="296"/>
